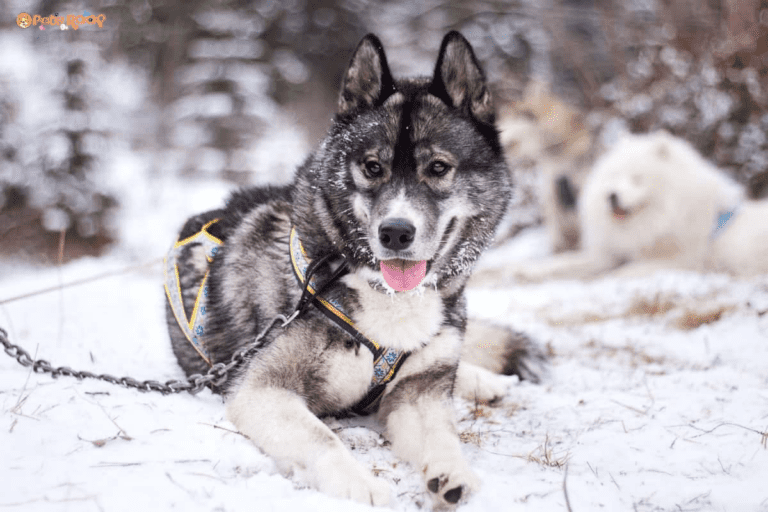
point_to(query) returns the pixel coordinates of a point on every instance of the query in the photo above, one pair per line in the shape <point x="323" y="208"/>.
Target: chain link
<point x="216" y="375"/>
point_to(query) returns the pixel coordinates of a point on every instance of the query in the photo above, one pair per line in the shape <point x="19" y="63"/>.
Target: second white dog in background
<point x="652" y="202"/>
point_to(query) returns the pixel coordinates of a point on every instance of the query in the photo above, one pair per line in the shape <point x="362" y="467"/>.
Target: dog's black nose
<point x="396" y="234"/>
<point x="614" y="200"/>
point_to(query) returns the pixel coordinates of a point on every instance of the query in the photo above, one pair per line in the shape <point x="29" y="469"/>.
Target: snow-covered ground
<point x="645" y="410"/>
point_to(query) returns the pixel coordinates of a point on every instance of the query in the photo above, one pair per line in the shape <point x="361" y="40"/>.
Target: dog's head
<point x="410" y="182"/>
<point x="629" y="178"/>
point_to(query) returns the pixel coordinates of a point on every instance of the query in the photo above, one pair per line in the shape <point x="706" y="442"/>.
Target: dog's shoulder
<point x="243" y="202"/>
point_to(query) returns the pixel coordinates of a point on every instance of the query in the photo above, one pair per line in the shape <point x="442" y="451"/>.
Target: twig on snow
<point x="226" y="429"/>
<point x="123" y="434"/>
<point x="177" y="484"/>
<point x="635" y="409"/>
<point x="614" y="481"/>
<point x="117" y="464"/>
<point x="565" y="490"/>
<point x="763" y="435"/>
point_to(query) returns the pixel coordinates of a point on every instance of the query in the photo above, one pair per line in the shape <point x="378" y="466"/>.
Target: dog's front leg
<point x="279" y="422"/>
<point x="419" y="416"/>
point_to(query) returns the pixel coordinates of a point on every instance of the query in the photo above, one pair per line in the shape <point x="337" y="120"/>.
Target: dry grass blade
<point x="695" y="319"/>
<point x="548" y="457"/>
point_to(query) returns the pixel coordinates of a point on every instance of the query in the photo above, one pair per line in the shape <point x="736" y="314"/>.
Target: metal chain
<point x="215" y="376"/>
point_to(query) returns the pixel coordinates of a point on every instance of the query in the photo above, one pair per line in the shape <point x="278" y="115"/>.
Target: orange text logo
<point x="24" y="20"/>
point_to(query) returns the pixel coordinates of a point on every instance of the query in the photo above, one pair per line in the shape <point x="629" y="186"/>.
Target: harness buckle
<point x="290" y="319"/>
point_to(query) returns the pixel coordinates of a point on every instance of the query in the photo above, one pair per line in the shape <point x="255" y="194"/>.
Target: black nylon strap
<point x="370" y="401"/>
<point x="307" y="296"/>
<point x="360" y="338"/>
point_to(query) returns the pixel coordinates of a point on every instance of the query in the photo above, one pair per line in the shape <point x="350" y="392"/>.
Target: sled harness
<point x="386" y="361"/>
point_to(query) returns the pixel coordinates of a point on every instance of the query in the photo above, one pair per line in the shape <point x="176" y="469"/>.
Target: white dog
<point x="653" y="202"/>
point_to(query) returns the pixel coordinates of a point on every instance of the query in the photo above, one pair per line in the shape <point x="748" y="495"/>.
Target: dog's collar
<point x="386" y="361"/>
<point x="723" y="218"/>
<point x="193" y="327"/>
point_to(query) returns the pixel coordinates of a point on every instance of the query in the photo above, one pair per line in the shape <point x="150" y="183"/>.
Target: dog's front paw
<point x="343" y="477"/>
<point x="450" y="481"/>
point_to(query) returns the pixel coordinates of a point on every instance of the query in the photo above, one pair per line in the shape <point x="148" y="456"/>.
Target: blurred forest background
<point x="243" y="90"/>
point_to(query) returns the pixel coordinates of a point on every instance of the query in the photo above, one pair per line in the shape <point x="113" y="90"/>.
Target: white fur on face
<point x="402" y="208"/>
<point x="361" y="209"/>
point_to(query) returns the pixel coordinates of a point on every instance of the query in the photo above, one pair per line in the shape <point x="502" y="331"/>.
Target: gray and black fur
<point x="424" y="150"/>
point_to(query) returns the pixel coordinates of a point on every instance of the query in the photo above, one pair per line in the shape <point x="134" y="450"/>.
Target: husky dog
<point x="543" y="131"/>
<point x="653" y="202"/>
<point x="379" y="232"/>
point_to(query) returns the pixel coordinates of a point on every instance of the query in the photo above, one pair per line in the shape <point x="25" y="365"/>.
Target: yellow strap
<point x="194" y="326"/>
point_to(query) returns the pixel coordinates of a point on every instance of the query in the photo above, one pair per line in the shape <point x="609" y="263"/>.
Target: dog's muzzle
<point x="397" y="234"/>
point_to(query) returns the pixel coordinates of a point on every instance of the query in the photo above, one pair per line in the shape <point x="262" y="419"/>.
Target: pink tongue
<point x="403" y="275"/>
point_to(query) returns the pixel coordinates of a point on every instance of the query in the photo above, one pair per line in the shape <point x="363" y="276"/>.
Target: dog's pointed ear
<point x="459" y="80"/>
<point x="368" y="81"/>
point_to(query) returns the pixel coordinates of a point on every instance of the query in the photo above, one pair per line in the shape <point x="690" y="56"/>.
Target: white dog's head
<point x="633" y="175"/>
<point x="652" y="191"/>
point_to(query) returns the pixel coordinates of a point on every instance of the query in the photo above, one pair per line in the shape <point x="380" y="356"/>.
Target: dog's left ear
<point x="368" y="81"/>
<point x="459" y="80"/>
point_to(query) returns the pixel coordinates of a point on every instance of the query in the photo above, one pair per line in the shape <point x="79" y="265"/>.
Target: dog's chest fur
<point x="405" y="321"/>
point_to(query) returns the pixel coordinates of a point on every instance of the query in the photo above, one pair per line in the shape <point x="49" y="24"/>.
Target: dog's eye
<point x="439" y="169"/>
<point x="373" y="169"/>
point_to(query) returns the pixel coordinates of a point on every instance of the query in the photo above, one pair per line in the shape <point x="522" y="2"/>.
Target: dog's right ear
<point x="368" y="81"/>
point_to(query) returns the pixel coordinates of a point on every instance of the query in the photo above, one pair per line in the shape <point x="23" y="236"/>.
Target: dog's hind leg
<point x="279" y="422"/>
<point x="501" y="350"/>
<point x="492" y="352"/>
<point x="476" y="383"/>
